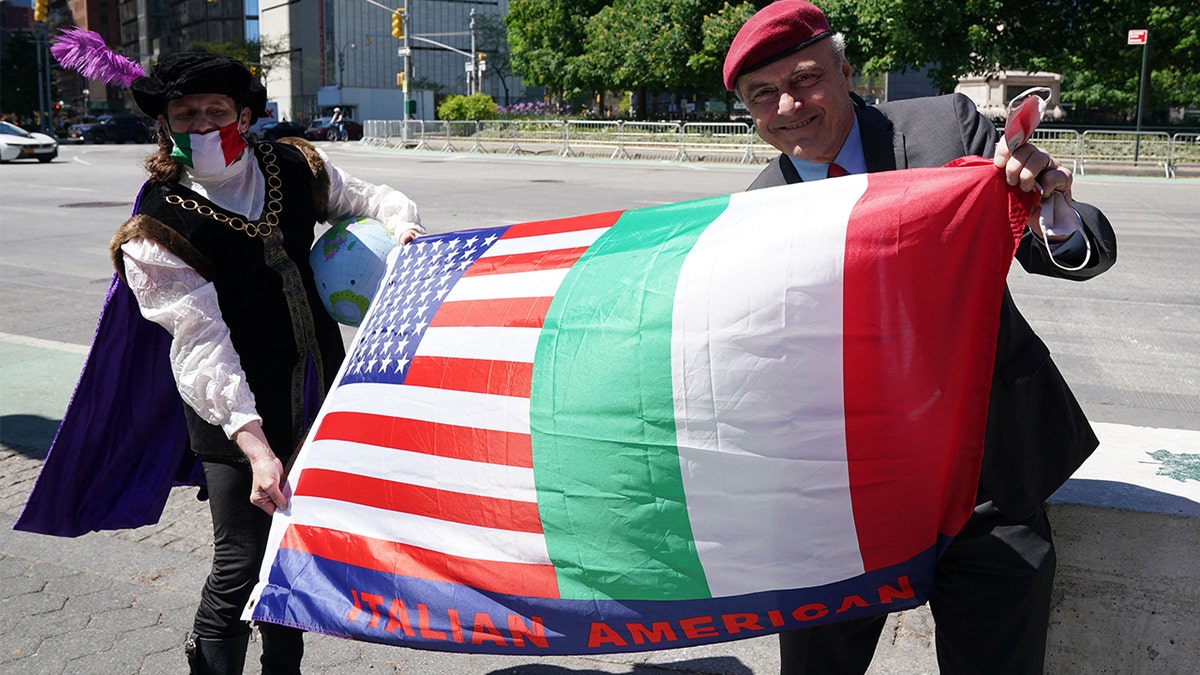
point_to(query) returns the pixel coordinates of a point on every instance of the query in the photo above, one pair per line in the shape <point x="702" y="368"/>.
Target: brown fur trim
<point x="317" y="165"/>
<point x="145" y="227"/>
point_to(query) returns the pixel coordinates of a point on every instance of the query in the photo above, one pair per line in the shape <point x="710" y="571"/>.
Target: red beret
<point x="781" y="28"/>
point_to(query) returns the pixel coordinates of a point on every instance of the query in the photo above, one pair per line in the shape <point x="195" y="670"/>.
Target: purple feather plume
<point x="85" y="52"/>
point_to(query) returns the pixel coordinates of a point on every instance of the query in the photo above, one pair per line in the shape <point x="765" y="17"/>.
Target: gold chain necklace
<point x="259" y="228"/>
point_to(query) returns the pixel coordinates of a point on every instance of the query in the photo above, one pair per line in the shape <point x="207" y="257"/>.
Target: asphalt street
<point x="122" y="602"/>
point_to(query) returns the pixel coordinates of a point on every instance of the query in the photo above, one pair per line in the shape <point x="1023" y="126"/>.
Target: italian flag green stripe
<point x="602" y="420"/>
<point x="182" y="151"/>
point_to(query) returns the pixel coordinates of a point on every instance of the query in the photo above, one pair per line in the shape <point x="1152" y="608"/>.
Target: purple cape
<point x="123" y="441"/>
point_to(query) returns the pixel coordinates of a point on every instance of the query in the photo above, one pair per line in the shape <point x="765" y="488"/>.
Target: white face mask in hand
<point x="209" y="152"/>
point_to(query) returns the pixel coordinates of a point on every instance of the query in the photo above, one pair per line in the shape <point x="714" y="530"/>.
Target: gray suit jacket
<point x="1037" y="435"/>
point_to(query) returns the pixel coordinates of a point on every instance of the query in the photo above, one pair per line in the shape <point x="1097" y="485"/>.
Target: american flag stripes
<point x="456" y="440"/>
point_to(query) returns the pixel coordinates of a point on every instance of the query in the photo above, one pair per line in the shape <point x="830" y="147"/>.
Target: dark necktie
<point x="836" y="171"/>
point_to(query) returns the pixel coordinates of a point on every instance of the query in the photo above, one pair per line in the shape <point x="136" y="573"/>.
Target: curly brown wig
<point x="161" y="167"/>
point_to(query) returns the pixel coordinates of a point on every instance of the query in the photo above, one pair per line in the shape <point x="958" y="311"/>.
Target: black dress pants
<point x="240" y="532"/>
<point x="990" y="602"/>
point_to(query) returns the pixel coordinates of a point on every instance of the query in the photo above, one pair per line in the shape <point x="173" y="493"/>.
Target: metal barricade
<point x="1061" y="144"/>
<point x="592" y="138"/>
<point x="497" y="136"/>
<point x="1185" y="152"/>
<point x="540" y="137"/>
<point x="760" y="150"/>
<point x="704" y="141"/>
<point x="738" y="142"/>
<point x="460" y="134"/>
<point x="432" y="136"/>
<point x="1121" y="148"/>
<point x="649" y="140"/>
<point x="375" y="132"/>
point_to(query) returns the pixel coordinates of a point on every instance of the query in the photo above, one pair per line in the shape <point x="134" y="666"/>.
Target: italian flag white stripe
<point x="765" y="388"/>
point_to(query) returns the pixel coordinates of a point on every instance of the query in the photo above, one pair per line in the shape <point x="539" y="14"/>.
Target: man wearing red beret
<point x="991" y="596"/>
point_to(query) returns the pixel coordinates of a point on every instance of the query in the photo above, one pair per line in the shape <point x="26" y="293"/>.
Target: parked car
<point x="319" y="130"/>
<point x="272" y="130"/>
<point x="116" y="128"/>
<point x="16" y="143"/>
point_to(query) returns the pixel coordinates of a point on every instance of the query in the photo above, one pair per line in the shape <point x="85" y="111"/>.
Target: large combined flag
<point x="656" y="428"/>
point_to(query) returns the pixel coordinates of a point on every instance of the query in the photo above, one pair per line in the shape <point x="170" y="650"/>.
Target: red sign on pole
<point x="1139" y="36"/>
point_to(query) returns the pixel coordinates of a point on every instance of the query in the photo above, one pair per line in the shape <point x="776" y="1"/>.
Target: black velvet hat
<point x="183" y="73"/>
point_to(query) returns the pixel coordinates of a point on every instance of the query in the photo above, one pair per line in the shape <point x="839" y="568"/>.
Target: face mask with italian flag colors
<point x="209" y="152"/>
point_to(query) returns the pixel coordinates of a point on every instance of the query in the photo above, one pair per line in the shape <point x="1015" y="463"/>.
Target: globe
<point x="348" y="263"/>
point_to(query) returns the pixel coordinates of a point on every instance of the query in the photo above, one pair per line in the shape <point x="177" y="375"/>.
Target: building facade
<point x="321" y="54"/>
<point x="992" y="93"/>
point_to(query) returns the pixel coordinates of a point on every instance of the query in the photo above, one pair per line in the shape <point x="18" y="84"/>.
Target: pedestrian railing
<point x="1125" y="147"/>
<point x="1062" y="144"/>
<point x="703" y="141"/>
<point x="649" y="140"/>
<point x="1185" y="152"/>
<point x="736" y="142"/>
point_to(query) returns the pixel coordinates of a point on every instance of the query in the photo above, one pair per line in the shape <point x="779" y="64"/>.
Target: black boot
<point x="216" y="656"/>
<point x="283" y="649"/>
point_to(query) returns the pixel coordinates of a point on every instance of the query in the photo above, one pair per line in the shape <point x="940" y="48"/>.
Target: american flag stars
<point x="420" y="278"/>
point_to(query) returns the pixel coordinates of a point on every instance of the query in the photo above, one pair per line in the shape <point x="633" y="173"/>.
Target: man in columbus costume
<point x="216" y="254"/>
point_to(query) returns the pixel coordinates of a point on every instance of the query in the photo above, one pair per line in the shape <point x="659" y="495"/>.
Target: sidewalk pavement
<point x="122" y="602"/>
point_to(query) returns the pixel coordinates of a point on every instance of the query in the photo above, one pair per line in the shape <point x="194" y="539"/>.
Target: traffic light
<point x="401" y="80"/>
<point x="398" y="24"/>
<point x="41" y="10"/>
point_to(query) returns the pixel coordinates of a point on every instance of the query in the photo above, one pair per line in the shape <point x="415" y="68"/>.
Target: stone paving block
<point x="35" y="605"/>
<point x="112" y="662"/>
<point x="167" y="601"/>
<point x="334" y="651"/>
<point x="180" y="620"/>
<point x="21" y="585"/>
<point x="51" y="571"/>
<point x="184" y="579"/>
<point x="11" y="566"/>
<point x="711" y="659"/>
<point x="8" y="622"/>
<point x="916" y="623"/>
<point x="41" y="663"/>
<point x="79" y="584"/>
<point x="126" y="619"/>
<point x="157" y="638"/>
<point x="16" y="647"/>
<point x="172" y="661"/>
<point x="75" y="644"/>
<point x="97" y="603"/>
<point x="48" y="624"/>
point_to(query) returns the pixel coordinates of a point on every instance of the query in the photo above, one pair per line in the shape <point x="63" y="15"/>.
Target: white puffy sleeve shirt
<point x="208" y="371"/>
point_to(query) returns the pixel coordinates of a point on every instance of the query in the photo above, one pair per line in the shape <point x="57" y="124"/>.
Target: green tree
<point x="492" y="40"/>
<point x="544" y="36"/>
<point x="477" y="106"/>
<point x="717" y="33"/>
<point x="954" y="37"/>
<point x="1079" y="38"/>
<point x="644" y="46"/>
<point x="1101" y="70"/>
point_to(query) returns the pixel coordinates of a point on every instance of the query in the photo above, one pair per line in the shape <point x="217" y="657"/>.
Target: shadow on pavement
<point x="727" y="665"/>
<point x="1117" y="495"/>
<point x="27" y="435"/>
